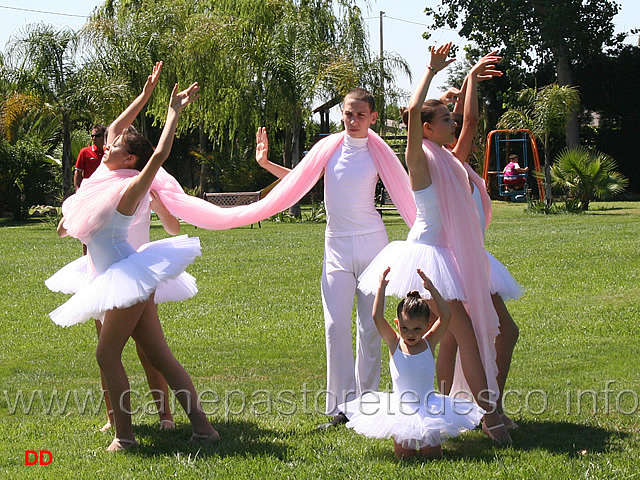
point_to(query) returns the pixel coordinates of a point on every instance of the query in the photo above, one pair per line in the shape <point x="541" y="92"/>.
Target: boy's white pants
<point x="345" y="258"/>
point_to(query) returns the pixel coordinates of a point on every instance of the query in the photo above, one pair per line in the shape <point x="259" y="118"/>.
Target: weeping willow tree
<point x="258" y="63"/>
<point x="125" y="38"/>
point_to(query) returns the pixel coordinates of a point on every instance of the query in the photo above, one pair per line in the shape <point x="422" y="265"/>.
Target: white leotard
<point x="427" y="228"/>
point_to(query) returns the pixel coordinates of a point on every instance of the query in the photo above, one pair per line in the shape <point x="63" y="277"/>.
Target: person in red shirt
<point x="89" y="158"/>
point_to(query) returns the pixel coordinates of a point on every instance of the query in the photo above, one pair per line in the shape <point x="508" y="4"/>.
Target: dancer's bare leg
<point x="116" y="330"/>
<point x="148" y="334"/>
<point x="505" y="344"/>
<point x="402" y="452"/>
<point x="159" y="391"/>
<point x="446" y="362"/>
<point x="431" y="452"/>
<point x="473" y="370"/>
<point x="107" y="402"/>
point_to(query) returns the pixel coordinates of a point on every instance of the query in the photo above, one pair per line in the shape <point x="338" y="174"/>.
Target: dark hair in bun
<point x="414" y="305"/>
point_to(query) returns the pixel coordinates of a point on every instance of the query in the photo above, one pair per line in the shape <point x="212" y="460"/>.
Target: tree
<point x="585" y="174"/>
<point x="125" y="38"/>
<point x="42" y="62"/>
<point x="29" y="136"/>
<point x="608" y="86"/>
<point x="532" y="32"/>
<point x="545" y="113"/>
<point x="260" y="64"/>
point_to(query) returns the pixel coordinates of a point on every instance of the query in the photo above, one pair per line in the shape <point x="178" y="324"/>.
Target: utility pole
<point x="381" y="115"/>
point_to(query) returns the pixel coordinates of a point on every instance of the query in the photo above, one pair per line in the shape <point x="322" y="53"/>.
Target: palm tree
<point x="586" y="174"/>
<point x="29" y="135"/>
<point x="43" y="62"/>
<point x="546" y="113"/>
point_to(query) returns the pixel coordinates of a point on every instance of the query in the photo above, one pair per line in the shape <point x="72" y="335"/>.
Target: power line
<point x="409" y="21"/>
<point x="42" y="11"/>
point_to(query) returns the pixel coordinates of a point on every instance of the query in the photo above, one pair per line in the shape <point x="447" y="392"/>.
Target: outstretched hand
<point x="485" y="68"/>
<point x="262" y="146"/>
<point x="383" y="278"/>
<point x="451" y="95"/>
<point x="439" y="57"/>
<point x="426" y="281"/>
<point x="152" y="80"/>
<point x="181" y="99"/>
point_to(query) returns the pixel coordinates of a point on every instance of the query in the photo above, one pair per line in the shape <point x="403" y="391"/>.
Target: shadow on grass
<point x="9" y="222"/>
<point x="237" y="438"/>
<point x="564" y="437"/>
<point x="560" y="438"/>
<point x="603" y="208"/>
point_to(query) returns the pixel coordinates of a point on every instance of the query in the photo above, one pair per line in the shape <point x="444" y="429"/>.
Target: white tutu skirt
<point x="438" y="263"/>
<point x="155" y="267"/>
<point x="502" y="282"/>
<point x="384" y="415"/>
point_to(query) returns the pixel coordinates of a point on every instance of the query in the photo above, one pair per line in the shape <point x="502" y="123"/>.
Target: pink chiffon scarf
<point x="96" y="200"/>
<point x="478" y="183"/>
<point x="466" y="240"/>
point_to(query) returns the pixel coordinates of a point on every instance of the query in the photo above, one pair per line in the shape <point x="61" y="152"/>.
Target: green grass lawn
<point x="253" y="342"/>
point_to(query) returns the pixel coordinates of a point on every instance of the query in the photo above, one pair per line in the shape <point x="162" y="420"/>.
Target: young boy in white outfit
<point x="354" y="235"/>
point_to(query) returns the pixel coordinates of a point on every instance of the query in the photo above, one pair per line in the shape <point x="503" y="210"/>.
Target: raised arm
<point x="484" y="69"/>
<point x="127" y="117"/>
<point x="418" y="170"/>
<point x="440" y="326"/>
<point x="262" y="149"/>
<point x="170" y="223"/>
<point x="140" y="184"/>
<point x="459" y="105"/>
<point x="385" y="330"/>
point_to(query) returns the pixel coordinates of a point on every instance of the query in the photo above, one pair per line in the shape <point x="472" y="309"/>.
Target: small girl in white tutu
<point x="414" y="415"/>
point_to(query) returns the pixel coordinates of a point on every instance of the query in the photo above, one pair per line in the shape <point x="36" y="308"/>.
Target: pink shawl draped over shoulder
<point x="96" y="200"/>
<point x="466" y="240"/>
<point x="478" y="182"/>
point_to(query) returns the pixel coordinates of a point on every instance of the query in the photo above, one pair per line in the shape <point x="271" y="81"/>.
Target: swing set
<point x="501" y="144"/>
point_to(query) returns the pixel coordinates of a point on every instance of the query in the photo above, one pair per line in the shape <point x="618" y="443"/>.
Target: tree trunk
<point x="142" y="119"/>
<point x="565" y="78"/>
<point x="204" y="185"/>
<point x="295" y="159"/>
<point x="584" y="202"/>
<point x="67" y="176"/>
<point x="286" y="151"/>
<point x="563" y="67"/>
<point x="547" y="173"/>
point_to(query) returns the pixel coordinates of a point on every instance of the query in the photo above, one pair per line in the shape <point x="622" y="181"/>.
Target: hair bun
<point x="414" y="294"/>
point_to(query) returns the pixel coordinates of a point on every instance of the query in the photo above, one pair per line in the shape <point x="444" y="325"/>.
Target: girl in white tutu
<point x="446" y="242"/>
<point x="110" y="203"/>
<point x="416" y="417"/>
<point x="78" y="273"/>
<point x="502" y="284"/>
